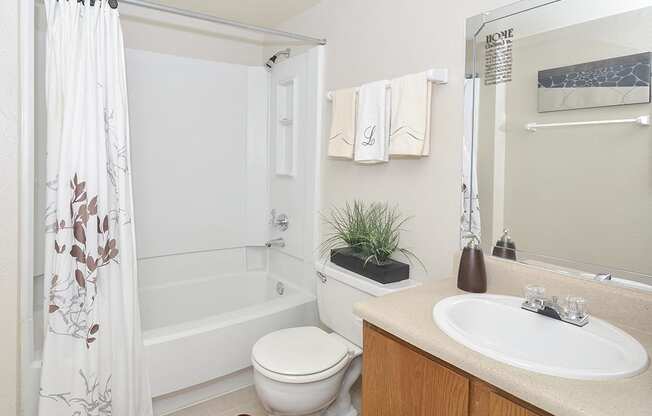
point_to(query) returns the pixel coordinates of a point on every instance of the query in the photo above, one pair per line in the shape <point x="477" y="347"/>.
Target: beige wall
<point x="176" y="35"/>
<point x="9" y="133"/>
<point x="370" y="40"/>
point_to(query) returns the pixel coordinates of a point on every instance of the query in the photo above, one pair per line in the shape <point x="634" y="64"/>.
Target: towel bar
<point x="436" y="76"/>
<point x="642" y="120"/>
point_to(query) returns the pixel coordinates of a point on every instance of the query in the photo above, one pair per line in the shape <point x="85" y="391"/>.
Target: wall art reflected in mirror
<point x="607" y="82"/>
<point x="558" y="109"/>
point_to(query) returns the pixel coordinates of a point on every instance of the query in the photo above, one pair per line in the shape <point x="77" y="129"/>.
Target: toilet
<point x="307" y="371"/>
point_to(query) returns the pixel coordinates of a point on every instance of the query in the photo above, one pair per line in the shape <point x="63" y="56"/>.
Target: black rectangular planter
<point x="389" y="272"/>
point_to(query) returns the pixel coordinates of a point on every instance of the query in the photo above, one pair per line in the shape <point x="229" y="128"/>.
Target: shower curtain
<point x="92" y="357"/>
<point x="470" y="222"/>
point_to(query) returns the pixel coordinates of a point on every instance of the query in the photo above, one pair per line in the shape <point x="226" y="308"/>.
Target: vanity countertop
<point x="408" y="315"/>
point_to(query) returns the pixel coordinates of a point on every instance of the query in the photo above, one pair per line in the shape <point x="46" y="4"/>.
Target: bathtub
<point x="199" y="330"/>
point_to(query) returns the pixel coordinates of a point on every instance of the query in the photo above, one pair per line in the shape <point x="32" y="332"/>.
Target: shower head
<point x="272" y="60"/>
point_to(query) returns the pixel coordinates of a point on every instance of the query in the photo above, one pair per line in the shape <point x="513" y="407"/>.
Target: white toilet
<point x="306" y="371"/>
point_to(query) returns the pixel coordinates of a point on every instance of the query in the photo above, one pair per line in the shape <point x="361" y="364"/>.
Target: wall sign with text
<point x="498" y="57"/>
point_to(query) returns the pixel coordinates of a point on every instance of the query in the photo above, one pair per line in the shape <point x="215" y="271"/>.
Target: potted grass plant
<point x="363" y="238"/>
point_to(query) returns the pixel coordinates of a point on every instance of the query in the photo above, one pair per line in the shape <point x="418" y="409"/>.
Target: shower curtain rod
<point x="219" y="20"/>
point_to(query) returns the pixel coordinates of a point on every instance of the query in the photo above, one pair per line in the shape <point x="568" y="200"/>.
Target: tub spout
<point x="277" y="242"/>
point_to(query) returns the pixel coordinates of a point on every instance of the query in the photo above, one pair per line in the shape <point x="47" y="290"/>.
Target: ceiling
<point x="267" y="13"/>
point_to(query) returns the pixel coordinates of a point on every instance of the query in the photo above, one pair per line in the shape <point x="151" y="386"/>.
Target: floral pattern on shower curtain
<point x="93" y="353"/>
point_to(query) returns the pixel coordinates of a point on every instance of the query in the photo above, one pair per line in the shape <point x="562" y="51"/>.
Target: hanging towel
<point x="410" y="135"/>
<point x="372" y="127"/>
<point x="342" y="136"/>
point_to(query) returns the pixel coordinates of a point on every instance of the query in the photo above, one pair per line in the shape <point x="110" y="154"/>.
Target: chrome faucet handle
<point x="576" y="308"/>
<point x="279" y="221"/>
<point x="282" y="222"/>
<point x="535" y="296"/>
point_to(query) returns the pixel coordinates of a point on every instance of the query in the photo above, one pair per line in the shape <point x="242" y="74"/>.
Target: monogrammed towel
<point x="372" y="126"/>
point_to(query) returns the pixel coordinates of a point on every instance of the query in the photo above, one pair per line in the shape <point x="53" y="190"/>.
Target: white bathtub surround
<point x="92" y="355"/>
<point x="215" y="137"/>
<point x="372" y="126"/>
<point x="164" y="270"/>
<point x="410" y="124"/>
<point x="342" y="136"/>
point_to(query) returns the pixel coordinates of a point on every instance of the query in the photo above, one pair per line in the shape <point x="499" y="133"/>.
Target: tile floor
<point x="241" y="402"/>
<point x="244" y="403"/>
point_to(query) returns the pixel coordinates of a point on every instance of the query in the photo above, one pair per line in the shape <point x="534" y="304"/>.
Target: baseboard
<point x="173" y="402"/>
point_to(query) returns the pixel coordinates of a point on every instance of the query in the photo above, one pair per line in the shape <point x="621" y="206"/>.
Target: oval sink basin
<point x="497" y="327"/>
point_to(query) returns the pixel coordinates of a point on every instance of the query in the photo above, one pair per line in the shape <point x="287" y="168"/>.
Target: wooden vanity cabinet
<point x="398" y="379"/>
<point x="486" y="400"/>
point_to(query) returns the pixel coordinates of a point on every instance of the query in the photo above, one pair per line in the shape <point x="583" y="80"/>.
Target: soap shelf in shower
<point x="642" y="120"/>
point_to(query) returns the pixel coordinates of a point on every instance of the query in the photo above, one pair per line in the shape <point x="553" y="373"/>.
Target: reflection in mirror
<point x="558" y="144"/>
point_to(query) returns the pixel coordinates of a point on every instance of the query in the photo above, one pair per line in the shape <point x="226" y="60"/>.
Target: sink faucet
<point x="277" y="242"/>
<point x="572" y="311"/>
<point x="602" y="277"/>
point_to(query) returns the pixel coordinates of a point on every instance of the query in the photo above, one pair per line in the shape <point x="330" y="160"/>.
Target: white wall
<point x="370" y="40"/>
<point x="176" y="35"/>
<point x="9" y="136"/>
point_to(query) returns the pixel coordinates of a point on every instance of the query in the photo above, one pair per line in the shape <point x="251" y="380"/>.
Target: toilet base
<point x="342" y="406"/>
<point x="350" y="412"/>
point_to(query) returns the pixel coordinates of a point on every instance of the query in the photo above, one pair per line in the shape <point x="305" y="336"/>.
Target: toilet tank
<point x="339" y="289"/>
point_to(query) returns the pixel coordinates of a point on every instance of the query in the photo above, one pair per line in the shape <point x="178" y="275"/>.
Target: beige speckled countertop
<point x="408" y="315"/>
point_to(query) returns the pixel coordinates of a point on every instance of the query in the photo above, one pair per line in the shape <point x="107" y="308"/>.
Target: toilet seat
<point x="300" y="355"/>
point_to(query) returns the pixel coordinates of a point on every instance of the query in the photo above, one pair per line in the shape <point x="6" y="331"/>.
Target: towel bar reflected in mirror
<point x="642" y="120"/>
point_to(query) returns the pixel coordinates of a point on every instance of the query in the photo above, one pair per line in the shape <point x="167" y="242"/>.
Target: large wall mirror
<point x="558" y="142"/>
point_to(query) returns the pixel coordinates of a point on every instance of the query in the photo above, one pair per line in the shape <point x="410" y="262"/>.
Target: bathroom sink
<point x="498" y="328"/>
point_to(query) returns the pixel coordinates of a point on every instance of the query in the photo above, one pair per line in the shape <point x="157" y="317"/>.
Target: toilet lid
<point x="298" y="351"/>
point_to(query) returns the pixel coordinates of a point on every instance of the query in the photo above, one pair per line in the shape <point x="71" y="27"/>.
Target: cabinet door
<point x="500" y="406"/>
<point x="485" y="401"/>
<point x="399" y="381"/>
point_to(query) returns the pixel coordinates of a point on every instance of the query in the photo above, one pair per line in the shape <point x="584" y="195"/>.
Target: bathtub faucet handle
<point x="280" y="221"/>
<point x="277" y="242"/>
